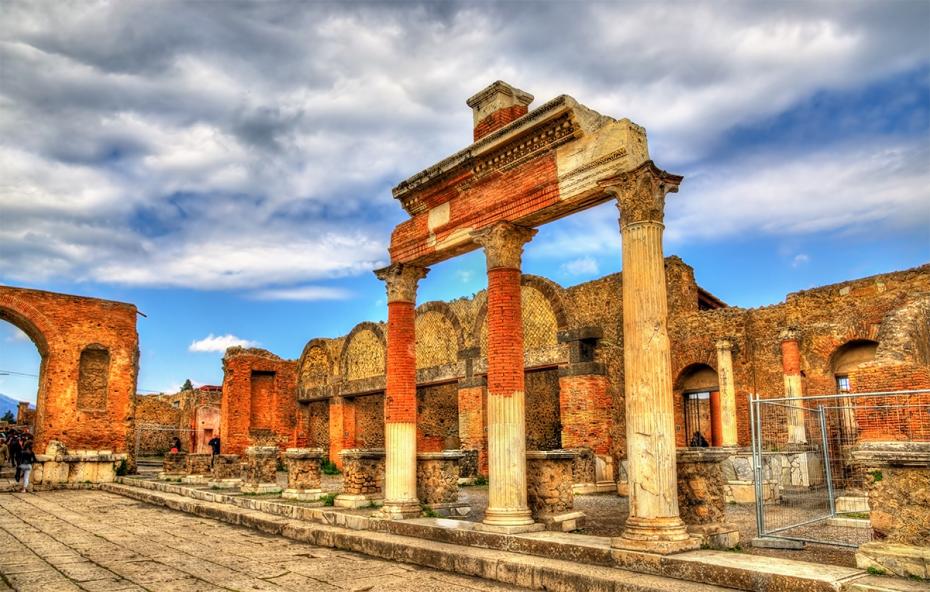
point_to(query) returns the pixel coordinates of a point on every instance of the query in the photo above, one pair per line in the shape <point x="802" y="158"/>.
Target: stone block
<point x="438" y="477"/>
<point x="199" y="464"/>
<point x="900" y="560"/>
<point x="744" y="492"/>
<point x="363" y="472"/>
<point x="303" y="473"/>
<point x="226" y="467"/>
<point x="773" y="543"/>
<point x="850" y="503"/>
<point x="174" y="463"/>
<point x="549" y="482"/>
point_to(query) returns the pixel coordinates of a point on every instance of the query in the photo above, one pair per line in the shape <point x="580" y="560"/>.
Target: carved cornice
<point x="401" y="281"/>
<point x="503" y="244"/>
<point x="641" y="193"/>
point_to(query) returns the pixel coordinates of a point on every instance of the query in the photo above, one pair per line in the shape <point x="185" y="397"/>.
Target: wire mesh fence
<point x="808" y="486"/>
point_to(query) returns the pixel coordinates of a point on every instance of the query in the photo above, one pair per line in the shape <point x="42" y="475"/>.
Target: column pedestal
<point x="303" y="474"/>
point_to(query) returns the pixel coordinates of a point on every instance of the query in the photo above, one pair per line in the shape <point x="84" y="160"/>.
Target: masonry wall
<point x="89" y="349"/>
<point x="259" y="405"/>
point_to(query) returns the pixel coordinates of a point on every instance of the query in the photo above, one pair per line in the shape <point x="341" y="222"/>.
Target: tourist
<point x="698" y="440"/>
<point x="13" y="449"/>
<point x="25" y="462"/>
<point x="4" y="452"/>
<point x="175" y="445"/>
<point x="214" y="445"/>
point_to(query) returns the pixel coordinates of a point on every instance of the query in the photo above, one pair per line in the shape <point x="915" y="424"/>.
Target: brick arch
<point x="552" y="294"/>
<point x="843" y="349"/>
<point x="376" y="358"/>
<point x="447" y="355"/>
<point x="314" y="360"/>
<point x="904" y="333"/>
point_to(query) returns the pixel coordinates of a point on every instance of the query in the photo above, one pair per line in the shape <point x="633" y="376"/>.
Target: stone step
<point x="714" y="568"/>
<point x="536" y="573"/>
<point x="887" y="584"/>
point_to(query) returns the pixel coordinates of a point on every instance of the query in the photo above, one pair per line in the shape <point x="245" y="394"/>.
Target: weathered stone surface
<point x="363" y="471"/>
<point x="199" y="464"/>
<point x="174" y="463"/>
<point x="227" y="466"/>
<point x="549" y="476"/>
<point x="583" y="467"/>
<point x="261" y="465"/>
<point x="438" y="477"/>
<point x="701" y="486"/>
<point x="303" y="468"/>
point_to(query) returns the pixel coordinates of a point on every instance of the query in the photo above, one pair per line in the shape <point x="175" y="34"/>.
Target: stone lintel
<point x="362" y="453"/>
<point x="580" y="333"/>
<point x="444" y="455"/>
<point x="474" y="382"/>
<point x="705" y="455"/>
<point x="303" y="453"/>
<point x="892" y="454"/>
<point x="363" y="386"/>
<point x="583" y="369"/>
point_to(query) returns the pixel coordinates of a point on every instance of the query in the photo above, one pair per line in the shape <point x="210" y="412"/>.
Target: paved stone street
<point x="90" y="540"/>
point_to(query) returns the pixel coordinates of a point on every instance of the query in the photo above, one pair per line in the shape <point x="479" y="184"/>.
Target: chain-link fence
<point x="807" y="486"/>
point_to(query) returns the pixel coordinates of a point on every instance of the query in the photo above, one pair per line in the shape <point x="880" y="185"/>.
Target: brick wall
<point x="93" y="410"/>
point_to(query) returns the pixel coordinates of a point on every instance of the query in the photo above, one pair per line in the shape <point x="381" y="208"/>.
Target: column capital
<point x="503" y="244"/>
<point x="401" y="281"/>
<point x="724" y="344"/>
<point x="641" y="193"/>
<point x="789" y="334"/>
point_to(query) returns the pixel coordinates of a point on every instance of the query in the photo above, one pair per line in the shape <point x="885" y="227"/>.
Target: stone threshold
<point x="714" y="568"/>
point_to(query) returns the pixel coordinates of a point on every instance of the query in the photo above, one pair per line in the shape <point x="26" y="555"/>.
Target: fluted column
<point x="791" y="367"/>
<point x="654" y="523"/>
<point x="727" y="392"/>
<point x="507" y="505"/>
<point x="400" y="400"/>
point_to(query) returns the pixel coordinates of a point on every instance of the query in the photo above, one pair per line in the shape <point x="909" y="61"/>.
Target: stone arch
<point x="363" y="354"/>
<point x="439" y="336"/>
<point x="315" y="367"/>
<point x="544" y="315"/>
<point x="31" y="321"/>
<point x="904" y="334"/>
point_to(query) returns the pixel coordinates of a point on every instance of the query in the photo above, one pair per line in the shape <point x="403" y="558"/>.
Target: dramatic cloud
<point x="581" y="266"/>
<point x="252" y="146"/>
<point x="306" y="293"/>
<point x="219" y="343"/>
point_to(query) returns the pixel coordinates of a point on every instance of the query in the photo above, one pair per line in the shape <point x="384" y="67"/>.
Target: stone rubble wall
<point x="261" y="465"/>
<point x="303" y="471"/>
<point x="549" y="485"/>
<point x="363" y="476"/>
<point x="174" y="463"/>
<point x="438" y="481"/>
<point x="227" y="466"/>
<point x="199" y="464"/>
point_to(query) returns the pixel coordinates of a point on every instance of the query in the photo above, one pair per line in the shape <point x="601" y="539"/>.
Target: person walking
<point x="26" y="459"/>
<point x="13" y="449"/>
<point x="4" y="453"/>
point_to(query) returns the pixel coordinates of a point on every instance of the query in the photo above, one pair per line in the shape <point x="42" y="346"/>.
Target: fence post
<point x="756" y="442"/>
<point x="826" y="460"/>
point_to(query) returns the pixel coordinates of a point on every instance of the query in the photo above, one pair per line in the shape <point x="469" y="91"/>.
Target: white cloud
<point x="302" y="293"/>
<point x="16" y="334"/>
<point x="800" y="259"/>
<point x="581" y="266"/>
<point x="219" y="343"/>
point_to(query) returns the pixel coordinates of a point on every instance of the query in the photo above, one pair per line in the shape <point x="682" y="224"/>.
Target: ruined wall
<point x="438" y="417"/>
<point x="259" y="405"/>
<point x="89" y="349"/>
<point x="369" y="421"/>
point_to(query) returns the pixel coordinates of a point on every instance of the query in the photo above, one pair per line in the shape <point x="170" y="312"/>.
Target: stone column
<point x="654" y="523"/>
<point x="727" y="393"/>
<point x="507" y="505"/>
<point x="400" y="400"/>
<point x="791" y="366"/>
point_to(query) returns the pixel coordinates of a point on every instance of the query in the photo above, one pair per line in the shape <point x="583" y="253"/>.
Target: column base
<point x="620" y="544"/>
<point x="356" y="501"/>
<point x="721" y="535"/>
<point x="508" y="518"/>
<point x="303" y="495"/>
<point x="401" y="510"/>
<point x="670" y="530"/>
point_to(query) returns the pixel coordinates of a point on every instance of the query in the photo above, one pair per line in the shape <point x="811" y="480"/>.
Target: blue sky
<point x="228" y="169"/>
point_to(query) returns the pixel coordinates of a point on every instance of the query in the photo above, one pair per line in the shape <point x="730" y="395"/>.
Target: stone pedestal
<point x="227" y="472"/>
<point x="363" y="478"/>
<point x="198" y="469"/>
<point x="897" y="478"/>
<point x="584" y="472"/>
<point x="261" y="473"/>
<point x="60" y="466"/>
<point x="173" y="466"/>
<point x="438" y="482"/>
<point x="550" y="480"/>
<point x="702" y="495"/>
<point x="303" y="473"/>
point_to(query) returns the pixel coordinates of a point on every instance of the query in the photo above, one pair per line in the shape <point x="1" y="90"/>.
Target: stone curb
<point x="537" y="573"/>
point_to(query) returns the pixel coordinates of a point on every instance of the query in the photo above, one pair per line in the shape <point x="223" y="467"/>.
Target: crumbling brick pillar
<point x="726" y="394"/>
<point x="507" y="505"/>
<point x="400" y="400"/>
<point x="227" y="471"/>
<point x="791" y="367"/>
<point x="261" y="472"/>
<point x="654" y="523"/>
<point x="473" y="429"/>
<point x="341" y="428"/>
<point x="173" y="465"/>
<point x="496" y="106"/>
<point x="303" y="473"/>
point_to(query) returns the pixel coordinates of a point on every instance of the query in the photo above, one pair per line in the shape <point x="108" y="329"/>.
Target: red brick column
<point x="716" y="420"/>
<point x="341" y="428"/>
<point x="400" y="400"/>
<point x="473" y="428"/>
<point x="507" y="501"/>
<point x="791" y="367"/>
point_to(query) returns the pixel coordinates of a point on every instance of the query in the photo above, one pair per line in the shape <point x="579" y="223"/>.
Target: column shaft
<point x="791" y="366"/>
<point x="727" y="394"/>
<point x="650" y="424"/>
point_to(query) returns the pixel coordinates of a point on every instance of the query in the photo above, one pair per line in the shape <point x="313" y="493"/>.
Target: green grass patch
<point x="328" y="499"/>
<point x="329" y="468"/>
<point x="875" y="571"/>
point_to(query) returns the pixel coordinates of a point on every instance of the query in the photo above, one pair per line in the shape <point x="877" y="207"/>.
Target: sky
<point x="227" y="167"/>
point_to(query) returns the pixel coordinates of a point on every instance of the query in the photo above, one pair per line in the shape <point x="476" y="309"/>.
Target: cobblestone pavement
<point x="90" y="540"/>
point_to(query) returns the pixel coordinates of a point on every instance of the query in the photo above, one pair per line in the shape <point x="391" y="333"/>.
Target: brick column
<point x="727" y="394"/>
<point x="473" y="427"/>
<point x="400" y="400"/>
<point x="791" y="367"/>
<point x="507" y="505"/>
<point x="654" y="523"/>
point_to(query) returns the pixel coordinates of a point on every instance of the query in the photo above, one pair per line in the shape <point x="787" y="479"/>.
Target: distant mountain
<point x="8" y="404"/>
